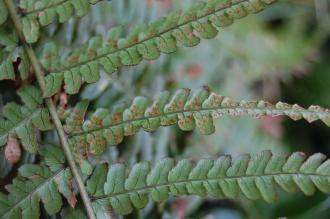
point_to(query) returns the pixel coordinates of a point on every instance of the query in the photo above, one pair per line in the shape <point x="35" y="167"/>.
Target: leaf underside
<point x="254" y="177"/>
<point x="185" y="108"/>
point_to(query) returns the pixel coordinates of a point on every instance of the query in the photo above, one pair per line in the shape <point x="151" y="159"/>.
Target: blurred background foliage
<point x="280" y="54"/>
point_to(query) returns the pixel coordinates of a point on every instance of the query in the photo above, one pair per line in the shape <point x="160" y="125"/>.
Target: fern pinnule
<point x="147" y="42"/>
<point x="185" y="108"/>
<point x="255" y="177"/>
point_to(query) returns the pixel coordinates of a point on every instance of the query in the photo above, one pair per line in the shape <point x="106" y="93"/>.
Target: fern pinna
<point x="254" y="177"/>
<point x="185" y="108"/>
<point x="49" y="174"/>
<point x="145" y="42"/>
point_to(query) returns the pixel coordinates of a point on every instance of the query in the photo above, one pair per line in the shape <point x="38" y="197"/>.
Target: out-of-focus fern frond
<point x="147" y="42"/>
<point x="44" y="12"/>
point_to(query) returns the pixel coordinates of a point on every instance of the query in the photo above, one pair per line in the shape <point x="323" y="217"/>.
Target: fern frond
<point x="186" y="109"/>
<point x="21" y="121"/>
<point x="254" y="177"/>
<point x="37" y="183"/>
<point x="147" y="42"/>
<point x="44" y="12"/>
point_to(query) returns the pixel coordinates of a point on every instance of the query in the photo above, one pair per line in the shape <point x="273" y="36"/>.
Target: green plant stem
<point x="52" y="109"/>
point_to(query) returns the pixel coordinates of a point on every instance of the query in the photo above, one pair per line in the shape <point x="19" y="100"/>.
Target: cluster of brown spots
<point x="205" y="123"/>
<point x="117" y="117"/>
<point x="221" y="19"/>
<point x="224" y="5"/>
<point x="73" y="59"/>
<point x="186" y="122"/>
<point x="137" y="111"/>
<point x="74" y="149"/>
<point x="166" y="43"/>
<point x="118" y="135"/>
<point x="227" y="102"/>
<point x="162" y="43"/>
<point x="83" y="147"/>
<point x="214" y="100"/>
<point x="253" y="6"/>
<point x="97" y="143"/>
<point x="194" y="104"/>
<point x="168" y="120"/>
<point x="110" y="135"/>
<point x="92" y="52"/>
<point x="199" y="28"/>
<point x="75" y="124"/>
<point x="112" y="43"/>
<point x="154" y="110"/>
<point x="115" y="135"/>
<point x="131" y="129"/>
<point x="179" y="35"/>
<point x="95" y="123"/>
<point x="239" y="11"/>
<point x="151" y="124"/>
<point x="176" y="105"/>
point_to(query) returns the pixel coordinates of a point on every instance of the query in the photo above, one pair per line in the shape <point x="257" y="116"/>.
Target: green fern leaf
<point x="3" y="12"/>
<point x="147" y="42"/>
<point x="7" y="71"/>
<point x="30" y="29"/>
<point x="21" y="121"/>
<point x="37" y="183"/>
<point x="44" y="12"/>
<point x="15" y="61"/>
<point x="254" y="177"/>
<point x="186" y="109"/>
<point x="8" y="36"/>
